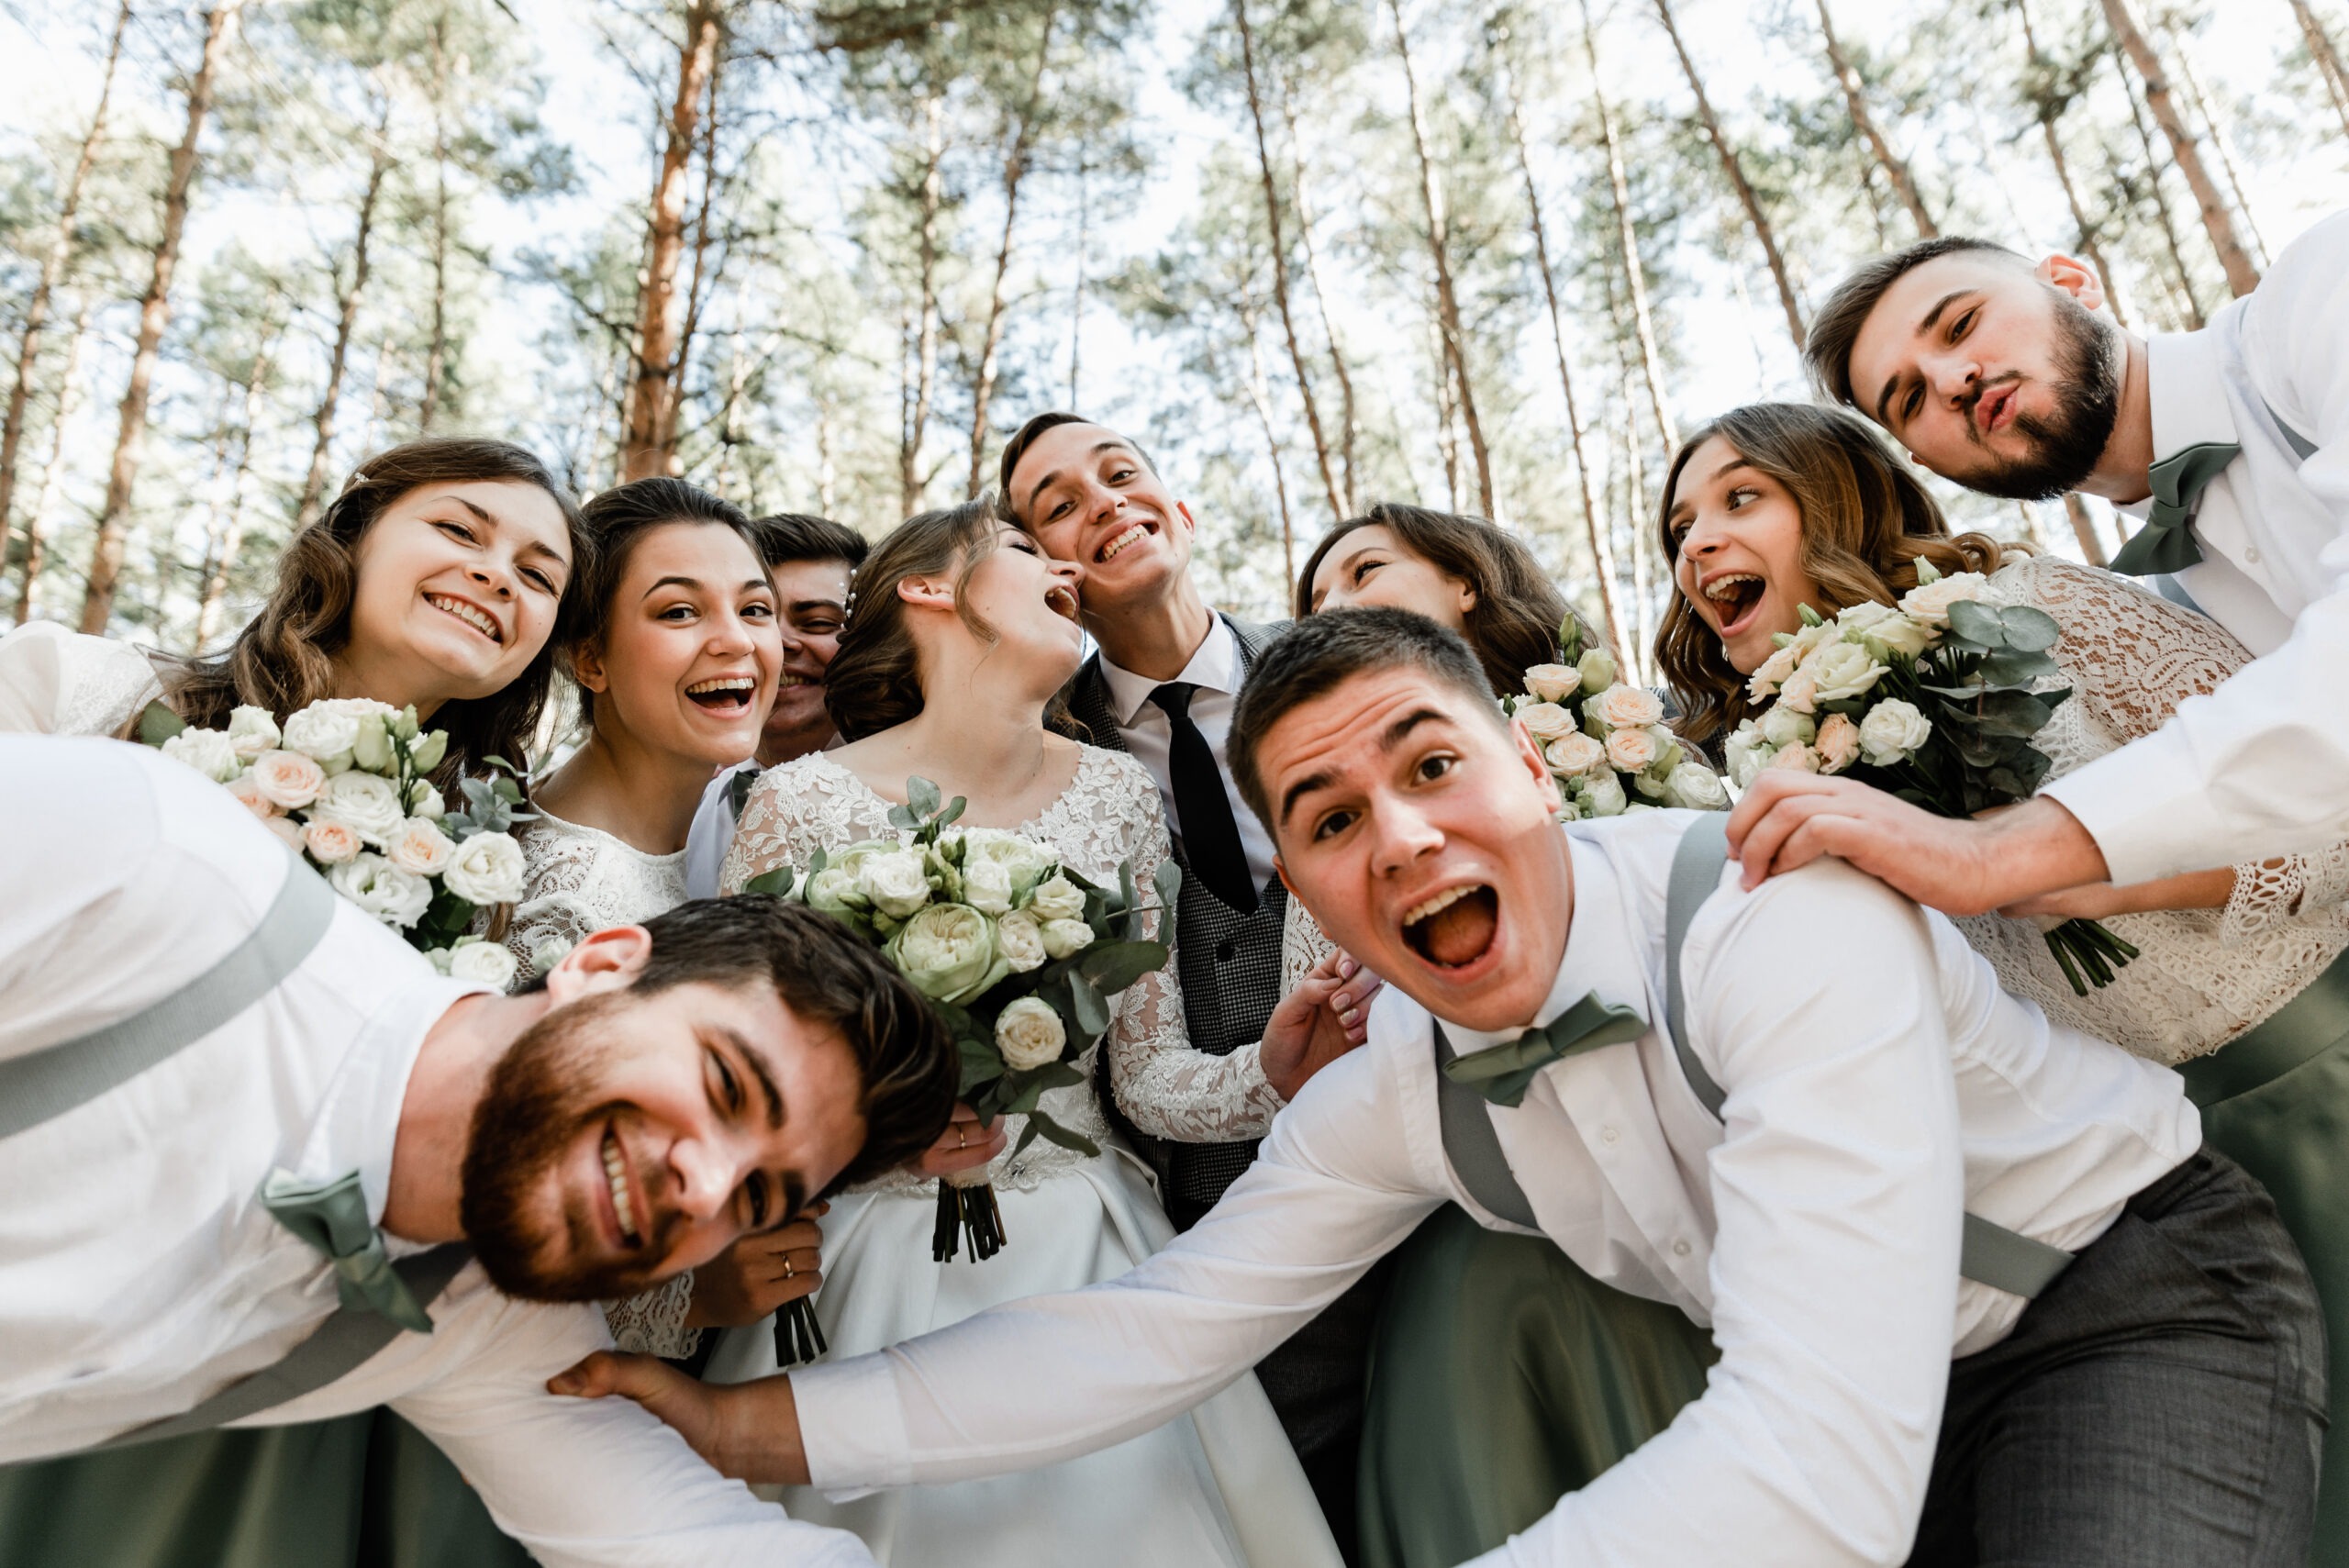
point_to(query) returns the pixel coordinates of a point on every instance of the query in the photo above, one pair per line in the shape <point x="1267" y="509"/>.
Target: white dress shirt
<point x="1216" y="670"/>
<point x="139" y="1271"/>
<point x="1880" y="1084"/>
<point x="2259" y="767"/>
<point x="712" y="833"/>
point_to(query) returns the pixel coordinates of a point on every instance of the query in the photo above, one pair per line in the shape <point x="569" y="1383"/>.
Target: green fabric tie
<point x="1503" y="1073"/>
<point x="2164" y="544"/>
<point x="332" y="1217"/>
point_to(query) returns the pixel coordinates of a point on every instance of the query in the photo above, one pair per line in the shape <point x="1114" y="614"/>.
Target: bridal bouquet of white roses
<point x="1605" y="742"/>
<point x="1021" y="956"/>
<point x="1935" y="701"/>
<point x="346" y="784"/>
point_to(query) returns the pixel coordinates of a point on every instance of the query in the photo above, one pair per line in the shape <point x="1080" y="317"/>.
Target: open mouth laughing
<point x="1735" y="596"/>
<point x="1124" y="539"/>
<point x="623" y="1200"/>
<point x="1455" y="927"/>
<point x="724" y="694"/>
<point x="472" y="614"/>
<point x="1061" y="601"/>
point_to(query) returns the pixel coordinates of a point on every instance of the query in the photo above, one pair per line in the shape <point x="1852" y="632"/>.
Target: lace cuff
<point x="2269" y="892"/>
<point x="653" y="1324"/>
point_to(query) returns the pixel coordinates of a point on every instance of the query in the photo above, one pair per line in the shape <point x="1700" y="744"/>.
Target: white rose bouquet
<point x="1935" y="701"/>
<point x="1021" y="956"/>
<point x="1618" y="755"/>
<point x="346" y="783"/>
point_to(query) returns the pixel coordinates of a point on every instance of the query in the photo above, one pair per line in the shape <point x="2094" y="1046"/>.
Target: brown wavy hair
<point x="283" y="659"/>
<point x="873" y="682"/>
<point x="1866" y="521"/>
<point x="614" y="523"/>
<point x="1518" y="611"/>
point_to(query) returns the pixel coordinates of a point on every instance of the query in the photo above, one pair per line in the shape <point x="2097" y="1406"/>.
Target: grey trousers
<point x="2160" y="1405"/>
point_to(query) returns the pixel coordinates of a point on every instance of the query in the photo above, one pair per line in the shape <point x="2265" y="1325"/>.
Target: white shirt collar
<point x="1214" y="668"/>
<point x="1598" y="957"/>
<point x="2186" y="376"/>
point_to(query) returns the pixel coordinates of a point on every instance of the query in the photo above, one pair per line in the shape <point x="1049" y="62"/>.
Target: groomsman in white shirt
<point x="2232" y="443"/>
<point x="264" y="1164"/>
<point x="1842" y="1118"/>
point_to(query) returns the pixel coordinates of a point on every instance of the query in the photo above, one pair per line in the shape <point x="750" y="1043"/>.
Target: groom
<point x="265" y="1166"/>
<point x="1843" y="1116"/>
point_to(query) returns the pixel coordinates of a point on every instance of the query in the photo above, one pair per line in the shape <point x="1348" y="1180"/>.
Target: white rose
<point x="486" y="869"/>
<point x="1602" y="796"/>
<point x="1057" y="899"/>
<point x="490" y="964"/>
<point x="288" y="779"/>
<point x="947" y="951"/>
<point x="1029" y="1034"/>
<point x="1695" y="788"/>
<point x="1840" y="670"/>
<point x="1552" y="683"/>
<point x="325" y="732"/>
<point x="1796" y="758"/>
<point x="1629" y="707"/>
<point x="288" y="831"/>
<point x="1632" y="750"/>
<point x="1808" y="636"/>
<point x="366" y="804"/>
<point x="1019" y="938"/>
<point x="1782" y="726"/>
<point x="1063" y="938"/>
<point x="1746" y="751"/>
<point x="421" y="848"/>
<point x="330" y="843"/>
<point x="1024" y="860"/>
<point x="832" y="891"/>
<point x="1892" y="731"/>
<point x="208" y="752"/>
<point x="248" y="795"/>
<point x="253" y="731"/>
<point x="987" y="886"/>
<point x="424" y="800"/>
<point x="1928" y="604"/>
<point x="1883" y="630"/>
<point x="1838" y="744"/>
<point x="1575" y="753"/>
<point x="896" y="881"/>
<point x="382" y="889"/>
<point x="1765" y="680"/>
<point x="1545" y="721"/>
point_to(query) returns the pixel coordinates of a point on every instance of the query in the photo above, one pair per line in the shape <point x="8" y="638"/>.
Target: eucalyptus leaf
<point x="2027" y="630"/>
<point x="777" y="882"/>
<point x="952" y="813"/>
<point x="921" y="796"/>
<point x="902" y="816"/>
<point x="1058" y="1075"/>
<point x="1977" y="622"/>
<point x="1028" y="1135"/>
<point x="1167" y="883"/>
<point x="1092" y="1012"/>
<point x="1110" y="967"/>
<point x="158" y="723"/>
<point x="1038" y="1122"/>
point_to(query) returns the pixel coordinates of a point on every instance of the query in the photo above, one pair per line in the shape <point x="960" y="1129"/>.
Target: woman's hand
<point x="962" y="1146"/>
<point x="757" y="1273"/>
<point x="2194" y="890"/>
<point x="747" y="1430"/>
<point x="1327" y="1015"/>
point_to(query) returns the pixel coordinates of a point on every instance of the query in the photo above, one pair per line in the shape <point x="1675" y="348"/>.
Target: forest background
<point x="1491" y="256"/>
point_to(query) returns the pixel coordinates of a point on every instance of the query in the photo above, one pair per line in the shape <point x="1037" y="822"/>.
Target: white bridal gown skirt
<point x="1218" y="1487"/>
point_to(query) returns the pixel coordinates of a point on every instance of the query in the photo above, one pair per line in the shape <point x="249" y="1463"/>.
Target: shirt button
<point x="1223" y="951"/>
<point x="2252" y="555"/>
<point x="1680" y="1249"/>
<point x="1609" y="1136"/>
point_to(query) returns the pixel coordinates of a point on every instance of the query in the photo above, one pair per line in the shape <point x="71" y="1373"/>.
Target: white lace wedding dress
<point x="2202" y="976"/>
<point x="1218" y="1487"/>
<point x="56" y="681"/>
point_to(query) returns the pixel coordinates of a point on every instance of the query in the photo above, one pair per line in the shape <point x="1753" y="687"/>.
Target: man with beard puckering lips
<point x="1809" y="1119"/>
<point x="267" y="1165"/>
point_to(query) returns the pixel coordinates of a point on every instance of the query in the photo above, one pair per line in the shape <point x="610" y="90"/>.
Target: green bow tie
<point x="332" y="1217"/>
<point x="1503" y="1073"/>
<point x="2164" y="544"/>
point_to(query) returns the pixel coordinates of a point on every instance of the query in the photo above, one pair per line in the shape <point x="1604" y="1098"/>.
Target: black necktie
<point x="1211" y="838"/>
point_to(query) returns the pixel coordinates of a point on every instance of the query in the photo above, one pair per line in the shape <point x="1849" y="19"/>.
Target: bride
<point x="959" y="635"/>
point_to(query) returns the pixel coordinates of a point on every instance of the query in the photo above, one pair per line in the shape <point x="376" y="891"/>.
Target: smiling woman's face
<point x="1030" y="602"/>
<point x="1372" y="569"/>
<point x="1739" y="552"/>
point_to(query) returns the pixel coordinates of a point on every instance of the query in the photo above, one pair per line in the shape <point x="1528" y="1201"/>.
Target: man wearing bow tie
<point x="1979" y="1293"/>
<point x="264" y="1164"/>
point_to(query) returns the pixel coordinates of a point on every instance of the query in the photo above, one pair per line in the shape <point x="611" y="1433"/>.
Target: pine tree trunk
<point x="1348" y="426"/>
<point x="2326" y="59"/>
<point x="1735" y="173"/>
<point x="2176" y="246"/>
<point x="917" y="421"/>
<point x="1628" y="241"/>
<point x="1280" y="265"/>
<point x="314" y="483"/>
<point x="53" y="466"/>
<point x="2049" y="110"/>
<point x="1455" y="349"/>
<point x="647" y="441"/>
<point x="1895" y="170"/>
<point x="54" y="262"/>
<point x="704" y="277"/>
<point x="2208" y="115"/>
<point x="1260" y="395"/>
<point x="2242" y="276"/>
<point x="2083" y="528"/>
<point x="154" y="315"/>
<point x="1015" y="168"/>
<point x="435" y="355"/>
<point x="215" y="588"/>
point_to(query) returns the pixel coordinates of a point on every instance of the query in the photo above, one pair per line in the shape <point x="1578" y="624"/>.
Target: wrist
<point x="2038" y="848"/>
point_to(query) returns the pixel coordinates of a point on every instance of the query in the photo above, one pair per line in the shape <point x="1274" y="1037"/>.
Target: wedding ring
<point x="787" y="1270"/>
<point x="961" y="1140"/>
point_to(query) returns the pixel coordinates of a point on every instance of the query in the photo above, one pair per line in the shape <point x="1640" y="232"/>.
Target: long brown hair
<point x="1866" y="521"/>
<point x="614" y="524"/>
<point x="283" y="659"/>
<point x="873" y="682"/>
<point x="1515" y="622"/>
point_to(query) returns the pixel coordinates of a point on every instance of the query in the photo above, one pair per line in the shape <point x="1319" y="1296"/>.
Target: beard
<point x="2066" y="444"/>
<point x="542" y="1099"/>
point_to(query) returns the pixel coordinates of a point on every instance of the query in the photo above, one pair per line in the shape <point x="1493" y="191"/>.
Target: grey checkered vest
<point x="1229" y="963"/>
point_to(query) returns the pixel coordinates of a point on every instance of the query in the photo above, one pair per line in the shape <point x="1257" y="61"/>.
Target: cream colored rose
<point x="987" y="886"/>
<point x="1019" y="938"/>
<point x="368" y="804"/>
<point x="1840" y="672"/>
<point x="1063" y="938"/>
<point x="1023" y="860"/>
<point x="1029" y="1034"/>
<point x="1883" y="630"/>
<point x="1892" y="731"/>
<point x="485" y="963"/>
<point x="1629" y="707"/>
<point x="1597" y="670"/>
<point x="1552" y="683"/>
<point x="1575" y="753"/>
<point x="252" y="730"/>
<point x="250" y="797"/>
<point x="947" y="951"/>
<point x="1746" y="751"/>
<point x="1929" y="602"/>
<point x="1783" y="726"/>
<point x="288" y="831"/>
<point x="382" y="889"/>
<point x="325" y="733"/>
<point x="1765" y="680"/>
<point x="421" y="848"/>
<point x="896" y="880"/>
<point x="1800" y="693"/>
<point x="833" y="891"/>
<point x="1695" y="788"/>
<point x="330" y="843"/>
<point x="1838" y="744"/>
<point x="1545" y="721"/>
<point x="1633" y="750"/>
<point x="1057" y="899"/>
<point x="288" y="779"/>
<point x="208" y="752"/>
<point x="487" y="869"/>
<point x="1796" y="758"/>
<point x="1601" y="794"/>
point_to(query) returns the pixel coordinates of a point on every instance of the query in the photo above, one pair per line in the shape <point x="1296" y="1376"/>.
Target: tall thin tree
<point x="52" y="471"/>
<point x="2206" y="109"/>
<point x="2326" y="59"/>
<point x="1016" y="157"/>
<point x="1895" y="168"/>
<point x="921" y="369"/>
<point x="2043" y="88"/>
<point x="2182" y="274"/>
<point x="1260" y="395"/>
<point x="1627" y="240"/>
<point x="348" y="298"/>
<point x="220" y="552"/>
<point x="649" y="431"/>
<point x="2235" y="258"/>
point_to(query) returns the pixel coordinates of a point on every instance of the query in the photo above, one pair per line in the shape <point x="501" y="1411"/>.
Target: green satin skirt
<point x="1501" y="1378"/>
<point x="2275" y="1101"/>
<point x="365" y="1491"/>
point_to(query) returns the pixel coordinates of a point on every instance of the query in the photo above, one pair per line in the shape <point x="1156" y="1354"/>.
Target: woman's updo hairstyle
<point x="283" y="659"/>
<point x="1866" y="521"/>
<point x="873" y="681"/>
<point x="616" y="521"/>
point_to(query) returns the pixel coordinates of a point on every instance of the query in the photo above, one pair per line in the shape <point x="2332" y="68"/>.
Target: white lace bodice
<point x="1109" y="813"/>
<point x="2203" y="975"/>
<point x="56" y="681"/>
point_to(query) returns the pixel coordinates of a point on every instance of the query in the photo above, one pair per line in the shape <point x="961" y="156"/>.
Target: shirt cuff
<point x="2143" y="807"/>
<point x="853" y="1426"/>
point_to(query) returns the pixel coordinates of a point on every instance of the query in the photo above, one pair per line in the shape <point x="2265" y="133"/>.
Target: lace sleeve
<point x="554" y="870"/>
<point x="2131" y="658"/>
<point x="653" y="1324"/>
<point x="791" y="811"/>
<point x="1303" y="945"/>
<point x="1169" y="1089"/>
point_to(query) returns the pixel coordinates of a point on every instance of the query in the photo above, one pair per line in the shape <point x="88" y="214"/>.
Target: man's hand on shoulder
<point x="747" y="1430"/>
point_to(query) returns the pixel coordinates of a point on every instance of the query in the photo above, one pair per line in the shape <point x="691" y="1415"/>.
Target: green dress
<point x="1502" y="1377"/>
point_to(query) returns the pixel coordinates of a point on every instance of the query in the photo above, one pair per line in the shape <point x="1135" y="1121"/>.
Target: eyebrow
<point x="694" y="584"/>
<point x="1924" y="324"/>
<point x="1393" y="736"/>
<point x="799" y="604"/>
<point x="1114" y="443"/>
<point x="767" y="1090"/>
